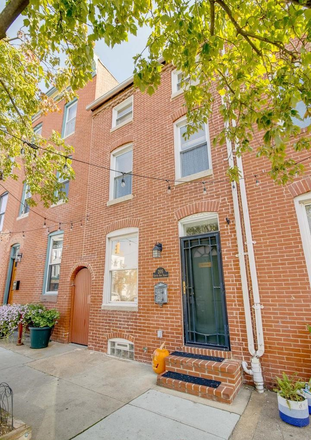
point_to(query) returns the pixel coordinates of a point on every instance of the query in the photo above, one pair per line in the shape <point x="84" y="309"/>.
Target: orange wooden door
<point x="11" y="291"/>
<point x="81" y="307"/>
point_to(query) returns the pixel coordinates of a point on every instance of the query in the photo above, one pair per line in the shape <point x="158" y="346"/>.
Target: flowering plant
<point x="10" y="316"/>
<point x="37" y="315"/>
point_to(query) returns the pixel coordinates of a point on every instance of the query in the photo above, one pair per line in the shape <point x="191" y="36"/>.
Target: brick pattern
<point x="301" y="187"/>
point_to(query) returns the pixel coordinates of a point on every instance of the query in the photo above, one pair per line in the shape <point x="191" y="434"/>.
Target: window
<point x="301" y="109"/>
<point x="177" y="78"/>
<point x="121" y="348"/>
<point x="303" y="210"/>
<point x="65" y="188"/>
<point x="24" y="208"/>
<point x="197" y="224"/>
<point x="121" y="268"/>
<point x="3" y="203"/>
<point x="122" y="113"/>
<point x="192" y="155"/>
<point x="53" y="262"/>
<point x="69" y="122"/>
<point x="120" y="179"/>
<point x="38" y="129"/>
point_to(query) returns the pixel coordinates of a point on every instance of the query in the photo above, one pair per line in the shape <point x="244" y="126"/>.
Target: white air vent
<point x="121" y="348"/>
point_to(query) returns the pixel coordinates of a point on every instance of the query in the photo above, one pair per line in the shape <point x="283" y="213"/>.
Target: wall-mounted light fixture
<point x="18" y="257"/>
<point x="156" y="251"/>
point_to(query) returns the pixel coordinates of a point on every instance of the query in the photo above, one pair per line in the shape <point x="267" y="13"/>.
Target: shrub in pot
<point x="40" y="321"/>
<point x="293" y="406"/>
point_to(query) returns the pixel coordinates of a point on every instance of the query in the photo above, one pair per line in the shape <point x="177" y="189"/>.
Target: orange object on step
<point x="158" y="359"/>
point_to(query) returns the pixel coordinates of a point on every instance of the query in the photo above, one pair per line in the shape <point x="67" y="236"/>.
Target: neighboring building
<point x="49" y="254"/>
<point x="223" y="245"/>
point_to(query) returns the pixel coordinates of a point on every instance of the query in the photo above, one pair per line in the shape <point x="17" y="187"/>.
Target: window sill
<point x="68" y="135"/>
<point x="121" y="125"/>
<point x="119" y="200"/>
<point x="121" y="307"/>
<point x="49" y="297"/>
<point x="61" y="202"/>
<point x="193" y="177"/>
<point x="20" y="217"/>
<point x="178" y="93"/>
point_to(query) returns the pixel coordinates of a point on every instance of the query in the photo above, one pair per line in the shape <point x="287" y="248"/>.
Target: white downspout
<point x="255" y="370"/>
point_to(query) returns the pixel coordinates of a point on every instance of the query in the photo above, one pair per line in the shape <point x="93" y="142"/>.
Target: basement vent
<point x="121" y="348"/>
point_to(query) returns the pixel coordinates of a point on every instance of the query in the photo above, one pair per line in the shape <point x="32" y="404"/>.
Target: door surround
<point x="14" y="249"/>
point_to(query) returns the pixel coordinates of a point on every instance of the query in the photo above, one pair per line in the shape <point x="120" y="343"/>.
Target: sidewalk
<point x="67" y="391"/>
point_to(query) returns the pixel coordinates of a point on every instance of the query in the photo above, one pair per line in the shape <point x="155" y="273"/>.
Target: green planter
<point x="40" y="336"/>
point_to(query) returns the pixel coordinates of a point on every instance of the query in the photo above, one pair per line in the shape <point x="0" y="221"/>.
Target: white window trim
<point x="115" y="113"/>
<point x="66" y="120"/>
<point x="118" y="152"/>
<point x="177" y="125"/>
<point x="107" y="304"/>
<point x="52" y="238"/>
<point x="174" y="77"/>
<point x="300" y="203"/>
<point x="186" y="221"/>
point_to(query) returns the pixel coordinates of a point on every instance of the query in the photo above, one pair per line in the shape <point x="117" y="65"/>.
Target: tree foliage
<point x="253" y="54"/>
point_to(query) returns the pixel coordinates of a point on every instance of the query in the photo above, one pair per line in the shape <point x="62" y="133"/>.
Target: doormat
<point x="192" y="379"/>
<point x="197" y="356"/>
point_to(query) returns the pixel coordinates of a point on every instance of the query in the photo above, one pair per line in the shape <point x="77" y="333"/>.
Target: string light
<point x="23" y="234"/>
<point x="168" y="187"/>
<point x="65" y="167"/>
<point x="204" y="188"/>
<point x="257" y="181"/>
<point x="44" y="223"/>
<point x="71" y="226"/>
<point x="81" y="224"/>
<point x="59" y="226"/>
<point x="87" y="217"/>
<point x="22" y="151"/>
<point x="123" y="181"/>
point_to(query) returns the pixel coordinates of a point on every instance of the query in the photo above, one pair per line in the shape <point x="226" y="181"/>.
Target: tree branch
<point x="12" y="100"/>
<point x="212" y="30"/>
<point x="9" y="14"/>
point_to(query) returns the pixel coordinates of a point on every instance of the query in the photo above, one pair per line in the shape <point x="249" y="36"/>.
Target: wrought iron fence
<point x="6" y="408"/>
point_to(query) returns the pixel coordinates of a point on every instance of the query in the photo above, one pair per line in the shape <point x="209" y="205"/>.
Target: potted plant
<point x="293" y="406"/>
<point x="40" y="322"/>
<point x="10" y="316"/>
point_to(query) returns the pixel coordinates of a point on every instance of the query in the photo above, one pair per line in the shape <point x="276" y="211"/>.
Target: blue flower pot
<point x="294" y="413"/>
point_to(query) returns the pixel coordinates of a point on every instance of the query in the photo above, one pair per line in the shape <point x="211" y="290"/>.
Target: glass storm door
<point x="205" y="315"/>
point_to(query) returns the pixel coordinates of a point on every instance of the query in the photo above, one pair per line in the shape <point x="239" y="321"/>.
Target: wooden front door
<point x="81" y="307"/>
<point x="11" y="291"/>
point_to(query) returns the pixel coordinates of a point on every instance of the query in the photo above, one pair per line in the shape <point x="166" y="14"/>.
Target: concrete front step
<point x="192" y="375"/>
<point x="223" y="393"/>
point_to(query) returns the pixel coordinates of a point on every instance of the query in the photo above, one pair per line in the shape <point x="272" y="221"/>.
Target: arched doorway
<point x="81" y="299"/>
<point x="8" y="292"/>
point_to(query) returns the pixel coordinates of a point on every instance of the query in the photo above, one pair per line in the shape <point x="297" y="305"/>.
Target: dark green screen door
<point x="205" y="315"/>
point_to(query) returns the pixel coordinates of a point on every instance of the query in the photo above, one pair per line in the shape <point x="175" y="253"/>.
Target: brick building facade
<point x="173" y="192"/>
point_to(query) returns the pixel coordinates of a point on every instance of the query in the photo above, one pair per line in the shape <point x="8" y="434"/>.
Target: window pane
<point x="3" y="203"/>
<point x="70" y="127"/>
<point x="53" y="278"/>
<point x="72" y="112"/>
<point x="301" y="109"/>
<point x="56" y="250"/>
<point x="194" y="160"/>
<point x="124" y="253"/>
<point x="124" y="285"/>
<point x="194" y="139"/>
<point x="1" y="221"/>
<point x="119" y="190"/>
<point x="308" y="211"/>
<point x="201" y="227"/>
<point x="124" y="114"/>
<point x="124" y="162"/>
<point x="38" y="130"/>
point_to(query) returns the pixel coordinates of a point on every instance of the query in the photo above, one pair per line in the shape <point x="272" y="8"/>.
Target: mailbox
<point x="160" y="294"/>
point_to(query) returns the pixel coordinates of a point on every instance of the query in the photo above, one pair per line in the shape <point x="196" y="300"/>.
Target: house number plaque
<point x="160" y="273"/>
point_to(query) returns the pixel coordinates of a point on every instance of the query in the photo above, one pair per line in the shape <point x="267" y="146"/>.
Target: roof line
<point x="110" y="94"/>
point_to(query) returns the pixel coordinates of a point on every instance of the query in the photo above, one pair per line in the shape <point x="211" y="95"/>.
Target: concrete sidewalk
<point x="67" y="391"/>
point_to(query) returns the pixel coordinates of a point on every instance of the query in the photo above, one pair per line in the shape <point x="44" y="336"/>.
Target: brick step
<point x="212" y="390"/>
<point x="227" y="371"/>
<point x="206" y="352"/>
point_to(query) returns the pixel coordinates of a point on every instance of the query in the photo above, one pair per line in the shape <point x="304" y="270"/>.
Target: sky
<point x="119" y="60"/>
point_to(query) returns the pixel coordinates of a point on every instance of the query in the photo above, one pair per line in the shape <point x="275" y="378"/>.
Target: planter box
<point x="40" y="336"/>
<point x="294" y="413"/>
<point x="20" y="432"/>
<point x="308" y="397"/>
